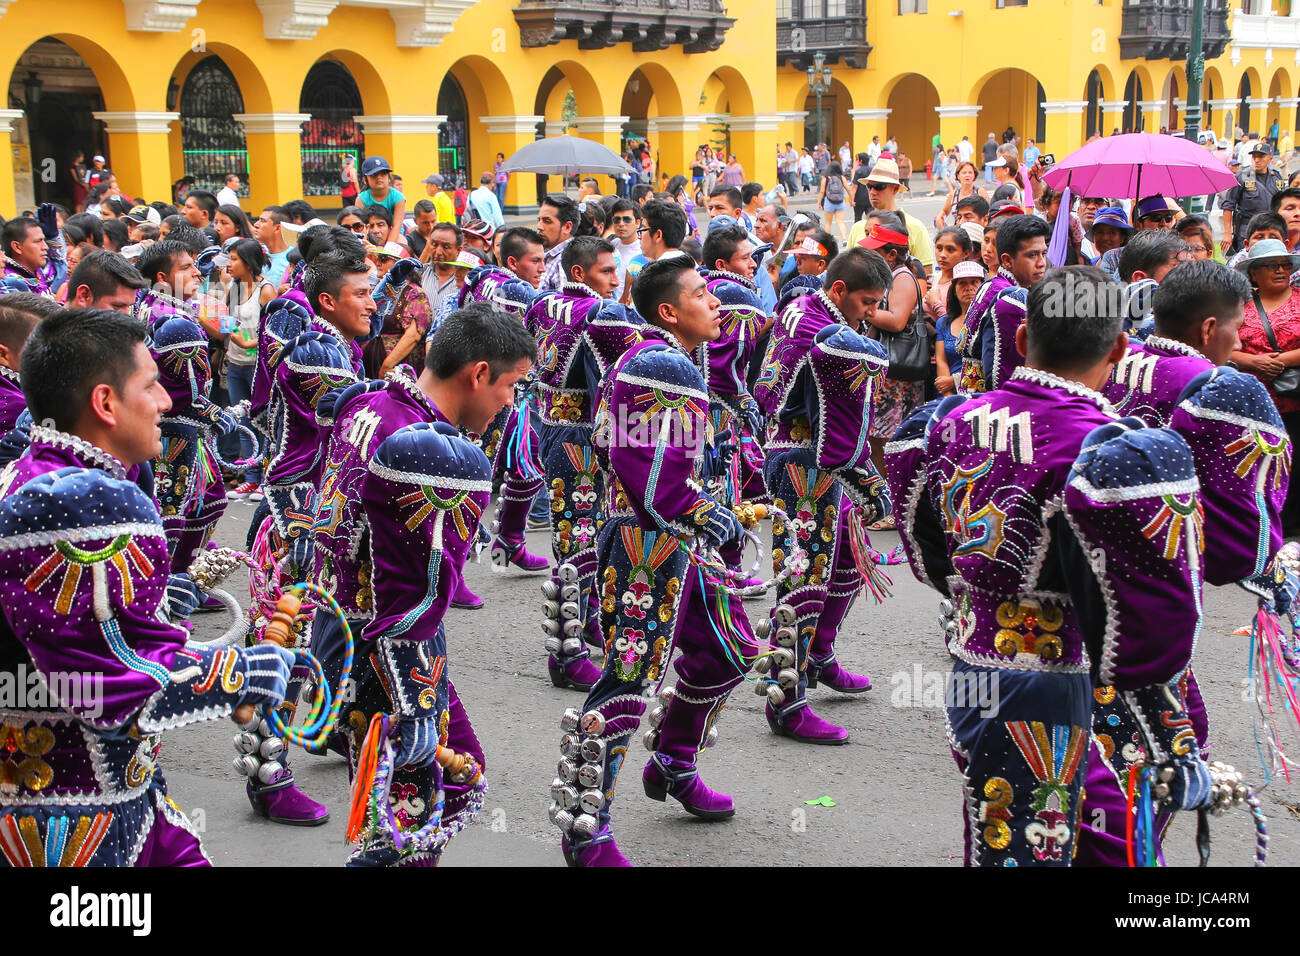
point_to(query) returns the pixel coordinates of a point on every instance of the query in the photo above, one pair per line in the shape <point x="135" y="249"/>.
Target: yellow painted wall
<point x="962" y="61"/>
<point x="1056" y="42"/>
<point x="133" y="69"/>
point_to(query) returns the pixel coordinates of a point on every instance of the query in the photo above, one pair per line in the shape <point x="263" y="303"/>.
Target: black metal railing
<point x="697" y="25"/>
<point x="1160" y="29"/>
<point x="837" y="28"/>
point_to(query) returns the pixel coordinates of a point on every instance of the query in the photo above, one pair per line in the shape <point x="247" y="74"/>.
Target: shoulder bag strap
<point x="1268" y="326"/>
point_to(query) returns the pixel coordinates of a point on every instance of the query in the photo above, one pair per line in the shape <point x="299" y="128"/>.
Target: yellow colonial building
<point x="280" y="90"/>
<point x="1053" y="70"/>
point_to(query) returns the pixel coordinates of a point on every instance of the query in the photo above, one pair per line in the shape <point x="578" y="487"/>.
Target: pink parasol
<point x="1134" y="165"/>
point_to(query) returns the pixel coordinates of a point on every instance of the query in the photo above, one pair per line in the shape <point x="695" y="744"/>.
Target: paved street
<point x="895" y="788"/>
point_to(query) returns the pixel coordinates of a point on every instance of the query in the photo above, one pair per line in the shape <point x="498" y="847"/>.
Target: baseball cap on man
<point x="1149" y="205"/>
<point x="879" y="237"/>
<point x="375" y="164"/>
<point x="811" y="247"/>
<point x="1261" y="147"/>
<point x="433" y="179"/>
<point x="477" y="227"/>
<point x="1004" y="207"/>
<point x="143" y="214"/>
<point x="1112" y="216"/>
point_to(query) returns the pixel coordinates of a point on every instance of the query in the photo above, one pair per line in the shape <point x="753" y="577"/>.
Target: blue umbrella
<point x="566" y="156"/>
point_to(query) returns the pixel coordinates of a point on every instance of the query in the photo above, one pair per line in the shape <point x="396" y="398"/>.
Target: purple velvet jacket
<point x="83" y="572"/>
<point x="652" y="431"/>
<point x="12" y="400"/>
<point x="1067" y="541"/>
<point x="579" y="337"/>
<point x="425" y="489"/>
<point x="364" y="420"/>
<point x="1147" y="382"/>
<point x="816" y="387"/>
<point x="317" y="363"/>
<point x="988" y="346"/>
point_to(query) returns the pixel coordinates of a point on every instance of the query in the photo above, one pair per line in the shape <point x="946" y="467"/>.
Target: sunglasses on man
<point x="623" y="220"/>
<point x="1161" y="217"/>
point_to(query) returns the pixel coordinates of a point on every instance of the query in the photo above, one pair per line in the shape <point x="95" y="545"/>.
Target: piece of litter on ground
<point x="820" y="802"/>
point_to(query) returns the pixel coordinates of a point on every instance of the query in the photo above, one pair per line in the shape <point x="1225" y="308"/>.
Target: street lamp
<point x="1195" y="72"/>
<point x="819" y="82"/>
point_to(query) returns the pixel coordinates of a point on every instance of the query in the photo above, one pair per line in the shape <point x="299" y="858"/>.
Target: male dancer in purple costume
<point x="651" y="431"/>
<point x="988" y="349"/>
<point x="818" y="468"/>
<point x="737" y="420"/>
<point x="1024" y="506"/>
<point x="391" y="565"/>
<point x="579" y="334"/>
<point x="19" y="313"/>
<point x="510" y="442"/>
<point x="83" y="568"/>
<point x="1241" y="453"/>
<point x="34" y="255"/>
<point x="314" y="364"/>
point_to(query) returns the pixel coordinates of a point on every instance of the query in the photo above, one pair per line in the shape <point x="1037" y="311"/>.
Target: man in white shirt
<point x="846" y="155"/>
<point x="484" y="202"/>
<point x="965" y="149"/>
<point x="873" y="151"/>
<point x="228" y="195"/>
<point x="791" y="169"/>
<point x="623" y="218"/>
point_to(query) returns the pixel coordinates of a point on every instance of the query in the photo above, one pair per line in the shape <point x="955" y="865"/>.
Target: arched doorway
<point x="1133" y="104"/>
<point x="636" y="104"/>
<point x="1244" y="118"/>
<point x="836" y="124"/>
<point x="1169" y="115"/>
<point x="912" y="117"/>
<point x="212" y="142"/>
<point x="58" y="93"/>
<point x="331" y="97"/>
<point x="1012" y="99"/>
<point x="453" y="141"/>
<point x="1093" y="118"/>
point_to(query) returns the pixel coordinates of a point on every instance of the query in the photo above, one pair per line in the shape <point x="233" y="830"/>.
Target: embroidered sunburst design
<point x="315" y="386"/>
<point x="123" y="554"/>
<point x="683" y="405"/>
<point x="426" y="500"/>
<point x="1252" y="446"/>
<point x="1175" y="513"/>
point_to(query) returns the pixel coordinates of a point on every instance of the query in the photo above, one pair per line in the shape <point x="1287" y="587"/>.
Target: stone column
<point x="507" y="134"/>
<point x="274" y="142"/>
<point x="138" y="151"/>
<point x="607" y="130"/>
<point x="410" y="144"/>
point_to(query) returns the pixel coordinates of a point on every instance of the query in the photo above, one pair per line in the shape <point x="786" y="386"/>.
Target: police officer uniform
<point x="1253" y="194"/>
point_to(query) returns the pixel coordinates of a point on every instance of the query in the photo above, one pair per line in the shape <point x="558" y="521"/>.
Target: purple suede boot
<point x="572" y="673"/>
<point x="281" y="801"/>
<point x="822" y="665"/>
<point x="796" y="720"/>
<point x="465" y="598"/>
<point x="512" y="521"/>
<point x="679" y="732"/>
<point x="600" y="851"/>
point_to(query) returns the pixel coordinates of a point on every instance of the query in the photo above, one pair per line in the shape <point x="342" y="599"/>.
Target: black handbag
<point x="1288" y="381"/>
<point x="911" y="350"/>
